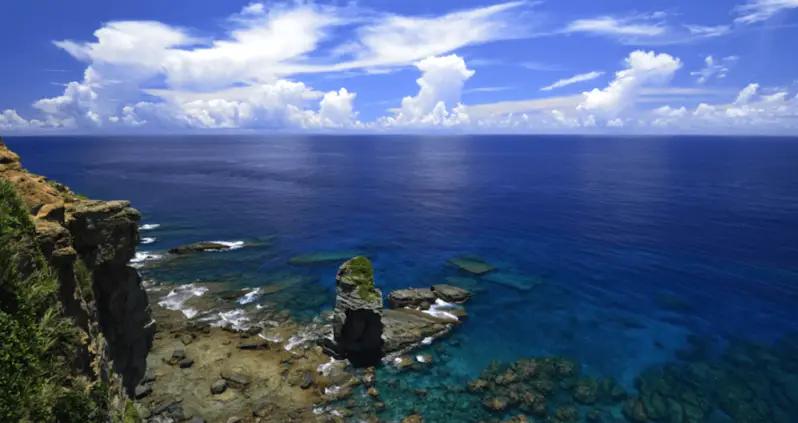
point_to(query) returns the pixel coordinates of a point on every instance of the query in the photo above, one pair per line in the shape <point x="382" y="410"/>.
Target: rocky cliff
<point x="88" y="244"/>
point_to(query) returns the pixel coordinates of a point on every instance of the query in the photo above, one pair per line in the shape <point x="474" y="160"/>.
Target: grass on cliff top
<point x="362" y="274"/>
<point x="37" y="344"/>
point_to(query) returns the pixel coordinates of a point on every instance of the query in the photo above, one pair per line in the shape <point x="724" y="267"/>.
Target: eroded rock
<point x="198" y="247"/>
<point x="357" y="317"/>
<point x="451" y="294"/>
<point x="412" y="297"/>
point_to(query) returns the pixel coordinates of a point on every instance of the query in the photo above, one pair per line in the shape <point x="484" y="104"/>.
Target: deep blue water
<point x="638" y="242"/>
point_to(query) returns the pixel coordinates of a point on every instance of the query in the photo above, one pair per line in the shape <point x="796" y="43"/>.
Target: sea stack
<point x="357" y="318"/>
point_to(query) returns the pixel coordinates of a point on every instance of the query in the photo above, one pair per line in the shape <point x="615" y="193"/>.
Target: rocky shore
<point x="275" y="369"/>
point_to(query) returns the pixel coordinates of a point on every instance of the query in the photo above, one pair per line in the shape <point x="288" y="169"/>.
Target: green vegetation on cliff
<point x="362" y="274"/>
<point x="38" y="346"/>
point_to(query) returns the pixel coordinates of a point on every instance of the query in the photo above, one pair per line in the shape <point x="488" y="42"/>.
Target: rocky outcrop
<point x="88" y="245"/>
<point x="199" y="247"/>
<point x="364" y="333"/>
<point x="406" y="328"/>
<point x="451" y="294"/>
<point x="357" y="318"/>
<point x="412" y="297"/>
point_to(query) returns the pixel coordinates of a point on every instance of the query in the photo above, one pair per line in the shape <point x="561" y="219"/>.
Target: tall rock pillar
<point x="357" y="318"/>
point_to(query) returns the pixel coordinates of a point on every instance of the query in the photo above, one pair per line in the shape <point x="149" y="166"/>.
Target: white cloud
<point x="609" y="25"/>
<point x="761" y="10"/>
<point x="10" y="120"/>
<point x="708" y="31"/>
<point x="440" y="86"/>
<point x="487" y="89"/>
<point x="336" y="109"/>
<point x="642" y="69"/>
<point x="746" y="94"/>
<point x="573" y="80"/>
<point x="399" y="40"/>
<point x="239" y="79"/>
<point x="714" y="69"/>
<point x="281" y="104"/>
<point x="77" y="106"/>
<point x="615" y="123"/>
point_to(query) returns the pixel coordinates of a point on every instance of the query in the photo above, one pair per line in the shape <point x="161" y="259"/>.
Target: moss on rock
<point x="360" y="273"/>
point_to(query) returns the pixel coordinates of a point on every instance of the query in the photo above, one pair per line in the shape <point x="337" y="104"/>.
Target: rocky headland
<point x="87" y="245"/>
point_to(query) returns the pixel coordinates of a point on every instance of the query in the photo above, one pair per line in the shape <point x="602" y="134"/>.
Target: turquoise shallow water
<point x="675" y="252"/>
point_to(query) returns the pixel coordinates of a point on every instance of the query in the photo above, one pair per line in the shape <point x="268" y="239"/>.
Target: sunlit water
<point x="632" y="244"/>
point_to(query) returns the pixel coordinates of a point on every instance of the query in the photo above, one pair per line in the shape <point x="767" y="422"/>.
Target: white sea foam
<point x="149" y="226"/>
<point x="250" y="296"/>
<point x="439" y="310"/>
<point x="420" y="358"/>
<point x="144" y="256"/>
<point x="428" y="340"/>
<point x="147" y="240"/>
<point x="327" y="367"/>
<point x="332" y="390"/>
<point x="177" y="297"/>
<point x="234" y="245"/>
<point x="273" y="339"/>
<point x="237" y="319"/>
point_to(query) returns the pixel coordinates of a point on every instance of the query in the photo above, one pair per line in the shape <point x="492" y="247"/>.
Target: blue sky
<point x="566" y="66"/>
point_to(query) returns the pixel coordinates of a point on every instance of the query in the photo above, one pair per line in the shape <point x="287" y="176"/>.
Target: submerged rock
<point x="519" y="282"/>
<point x="321" y="258"/>
<point x="357" y="317"/>
<point x="472" y="265"/>
<point x="199" y="247"/>
<point x="412" y="297"/>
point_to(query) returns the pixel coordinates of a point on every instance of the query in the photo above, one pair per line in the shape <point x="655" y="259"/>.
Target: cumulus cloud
<point x="440" y="86"/>
<point x="247" y="77"/>
<point x="642" y="69"/>
<point x="714" y="69"/>
<point x="573" y="80"/>
<point x="282" y="104"/>
<point x="10" y="120"/>
<point x="77" y="105"/>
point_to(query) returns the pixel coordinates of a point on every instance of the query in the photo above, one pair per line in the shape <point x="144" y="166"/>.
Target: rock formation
<point x="357" y="318"/>
<point x="85" y="240"/>
<point x="199" y="247"/>
<point x="364" y="333"/>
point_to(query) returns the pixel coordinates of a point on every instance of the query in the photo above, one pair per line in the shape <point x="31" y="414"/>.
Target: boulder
<point x="238" y="379"/>
<point x="357" y="317"/>
<point x="412" y="297"/>
<point x="199" y="247"/>
<point x="142" y="391"/>
<point x="308" y="379"/>
<point x="219" y="387"/>
<point x="451" y="294"/>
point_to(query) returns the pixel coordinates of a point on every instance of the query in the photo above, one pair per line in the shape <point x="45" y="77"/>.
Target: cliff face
<point x="88" y="240"/>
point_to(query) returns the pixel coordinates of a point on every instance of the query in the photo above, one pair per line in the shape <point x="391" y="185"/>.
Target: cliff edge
<point x="87" y="244"/>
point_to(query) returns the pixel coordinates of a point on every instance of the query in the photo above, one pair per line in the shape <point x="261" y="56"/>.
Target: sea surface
<point x="637" y="251"/>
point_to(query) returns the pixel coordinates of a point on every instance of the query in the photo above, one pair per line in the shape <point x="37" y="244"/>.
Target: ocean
<point x="628" y="253"/>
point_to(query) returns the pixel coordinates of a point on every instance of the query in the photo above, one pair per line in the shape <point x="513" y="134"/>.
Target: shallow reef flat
<point x="323" y="257"/>
<point x="472" y="264"/>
